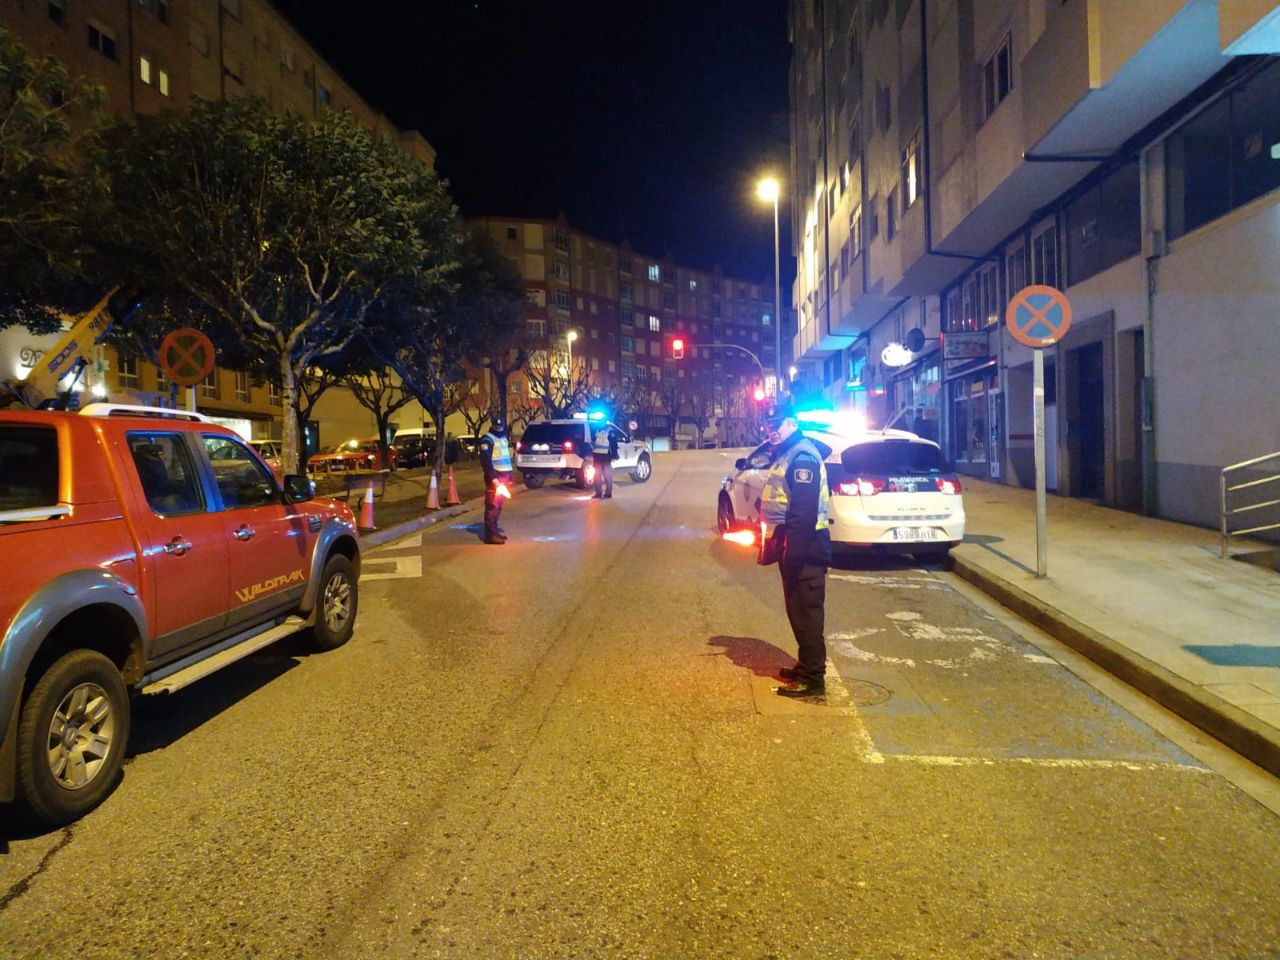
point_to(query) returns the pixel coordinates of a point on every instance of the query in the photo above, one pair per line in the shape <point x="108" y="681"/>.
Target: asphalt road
<point x="568" y="746"/>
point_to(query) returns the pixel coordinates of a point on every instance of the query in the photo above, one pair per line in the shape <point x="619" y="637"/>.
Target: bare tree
<point x="380" y="392"/>
<point x="559" y="387"/>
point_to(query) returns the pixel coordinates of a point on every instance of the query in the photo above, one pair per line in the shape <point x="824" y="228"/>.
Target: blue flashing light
<point x="597" y="414"/>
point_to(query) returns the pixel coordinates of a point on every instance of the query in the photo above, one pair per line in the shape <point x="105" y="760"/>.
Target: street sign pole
<point x="1037" y="390"/>
<point x="1039" y="316"/>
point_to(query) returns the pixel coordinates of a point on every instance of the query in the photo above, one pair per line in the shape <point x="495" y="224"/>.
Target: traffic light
<point x="677" y="348"/>
<point x="759" y="394"/>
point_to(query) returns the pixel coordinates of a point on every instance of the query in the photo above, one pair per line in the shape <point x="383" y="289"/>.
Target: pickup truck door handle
<point x="245" y="532"/>
<point x="177" y="547"/>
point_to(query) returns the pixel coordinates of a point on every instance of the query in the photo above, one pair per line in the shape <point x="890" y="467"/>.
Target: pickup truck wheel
<point x="72" y="734"/>
<point x="532" y="480"/>
<point x="642" y="469"/>
<point x="336" y="605"/>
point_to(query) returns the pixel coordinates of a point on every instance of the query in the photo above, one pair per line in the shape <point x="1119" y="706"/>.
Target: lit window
<point x="911" y="172"/>
<point x="242" y="385"/>
<point x="655" y="325"/>
<point x="163" y="82"/>
<point x="144" y="69"/>
<point x="766" y="320"/>
<point x="127" y="369"/>
<point x="654" y="273"/>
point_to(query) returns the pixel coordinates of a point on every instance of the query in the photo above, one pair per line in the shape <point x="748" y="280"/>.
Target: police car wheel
<point x="643" y="469"/>
<point x="724" y="515"/>
<point x="532" y="480"/>
<point x="580" y="478"/>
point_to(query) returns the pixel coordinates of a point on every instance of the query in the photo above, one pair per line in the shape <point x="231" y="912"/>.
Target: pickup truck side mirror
<point x="740" y="463"/>
<point x="298" y="488"/>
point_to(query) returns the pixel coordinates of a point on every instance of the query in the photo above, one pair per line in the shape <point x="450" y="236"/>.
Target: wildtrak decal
<point x="266" y="586"/>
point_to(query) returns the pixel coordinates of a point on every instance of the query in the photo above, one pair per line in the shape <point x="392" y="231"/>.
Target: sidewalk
<point x="1149" y="600"/>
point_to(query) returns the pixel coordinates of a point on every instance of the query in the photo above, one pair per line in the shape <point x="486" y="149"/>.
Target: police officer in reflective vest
<point x="495" y="461"/>
<point x="604" y="450"/>
<point x="793" y="510"/>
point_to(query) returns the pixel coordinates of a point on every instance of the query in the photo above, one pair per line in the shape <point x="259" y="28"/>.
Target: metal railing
<point x="1256" y="484"/>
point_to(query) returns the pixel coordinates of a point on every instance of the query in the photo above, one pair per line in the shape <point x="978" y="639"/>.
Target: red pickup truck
<point x="142" y="550"/>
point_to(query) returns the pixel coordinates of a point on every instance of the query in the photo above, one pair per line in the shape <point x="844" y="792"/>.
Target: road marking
<point x="391" y="568"/>
<point x="1060" y="762"/>
<point x="910" y="624"/>
<point x="923" y="582"/>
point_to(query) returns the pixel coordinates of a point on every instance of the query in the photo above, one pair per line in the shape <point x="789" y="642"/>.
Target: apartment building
<point x="626" y="309"/>
<point x="153" y="55"/>
<point x="948" y="153"/>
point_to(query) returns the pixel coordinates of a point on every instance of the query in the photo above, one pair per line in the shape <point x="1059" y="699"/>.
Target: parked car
<point x="416" y="446"/>
<point x="156" y="548"/>
<point x="889" y="490"/>
<point x="270" y="451"/>
<point x="353" y="455"/>
<point x="562" y="448"/>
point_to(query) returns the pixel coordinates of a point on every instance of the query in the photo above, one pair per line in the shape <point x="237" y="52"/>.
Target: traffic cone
<point x="433" y="495"/>
<point x="366" y="510"/>
<point x="452" y="498"/>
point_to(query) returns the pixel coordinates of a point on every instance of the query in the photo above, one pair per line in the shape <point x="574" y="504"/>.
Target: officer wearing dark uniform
<point x="495" y="461"/>
<point x="793" y="509"/>
<point x="604" y="450"/>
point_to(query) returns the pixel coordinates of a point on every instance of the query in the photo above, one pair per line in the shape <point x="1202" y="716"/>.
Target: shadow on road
<point x="761" y="658"/>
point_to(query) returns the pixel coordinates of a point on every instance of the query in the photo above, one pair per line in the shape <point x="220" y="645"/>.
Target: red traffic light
<point x="677" y="348"/>
<point x="759" y="394"/>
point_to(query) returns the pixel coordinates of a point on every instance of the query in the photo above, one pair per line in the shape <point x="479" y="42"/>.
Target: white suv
<point x="562" y="448"/>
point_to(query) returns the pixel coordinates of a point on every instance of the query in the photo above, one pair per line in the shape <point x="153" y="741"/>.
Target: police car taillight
<point x="860" y="487"/>
<point x="568" y="446"/>
<point x="519" y="445"/>
<point x="949" y="487"/>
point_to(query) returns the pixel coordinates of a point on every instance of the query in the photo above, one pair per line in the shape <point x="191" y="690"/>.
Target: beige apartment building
<point x="947" y="153"/>
<point x="153" y="55"/>
<point x="626" y="309"/>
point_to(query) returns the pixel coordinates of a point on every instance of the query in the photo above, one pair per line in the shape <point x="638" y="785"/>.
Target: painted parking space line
<point x="391" y="568"/>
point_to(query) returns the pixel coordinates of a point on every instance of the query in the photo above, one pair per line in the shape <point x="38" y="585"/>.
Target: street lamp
<point x="768" y="190"/>
<point x="569" y="337"/>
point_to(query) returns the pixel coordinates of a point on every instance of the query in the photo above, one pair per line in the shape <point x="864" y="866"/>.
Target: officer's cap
<point x="784" y="410"/>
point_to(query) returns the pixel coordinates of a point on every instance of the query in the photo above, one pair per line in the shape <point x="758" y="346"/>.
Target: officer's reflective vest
<point x="600" y="443"/>
<point x="501" y="455"/>
<point x="775" y="498"/>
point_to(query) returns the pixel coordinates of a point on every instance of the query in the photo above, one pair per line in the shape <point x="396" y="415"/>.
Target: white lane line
<point x="924" y="582"/>
<point x="400" y="568"/>
<point x="1060" y="762"/>
<point x="838" y="697"/>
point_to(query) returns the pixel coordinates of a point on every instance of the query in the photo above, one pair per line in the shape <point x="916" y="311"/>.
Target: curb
<point x="1242" y="732"/>
<point x="377" y="538"/>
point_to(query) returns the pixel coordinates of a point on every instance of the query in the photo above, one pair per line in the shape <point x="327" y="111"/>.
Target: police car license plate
<point x="531" y="459"/>
<point x="915" y="533"/>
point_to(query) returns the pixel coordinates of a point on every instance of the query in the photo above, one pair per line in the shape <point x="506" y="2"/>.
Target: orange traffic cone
<point x="433" y="495"/>
<point x="452" y="498"/>
<point x="366" y="510"/>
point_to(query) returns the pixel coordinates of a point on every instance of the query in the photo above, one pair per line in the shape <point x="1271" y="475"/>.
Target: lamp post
<point x="768" y="190"/>
<point x="569" y="337"/>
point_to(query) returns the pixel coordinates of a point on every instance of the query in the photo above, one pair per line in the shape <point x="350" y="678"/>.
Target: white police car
<point x="890" y="490"/>
<point x="552" y="449"/>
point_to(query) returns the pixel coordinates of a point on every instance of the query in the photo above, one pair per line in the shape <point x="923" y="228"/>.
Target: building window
<point x="1044" y="256"/>
<point x="989" y="294"/>
<point x="511" y="233"/>
<point x="693" y="286"/>
<point x="562" y="299"/>
<point x="669" y="299"/>
<point x="323" y="95"/>
<point x="562" y="270"/>
<point x="209" y="385"/>
<point x="144" y="69"/>
<point x="1103" y="225"/>
<point x="997" y="77"/>
<point x="127" y="371"/>
<point x="537" y="327"/>
<point x="234" y="69"/>
<point x="1226" y="156"/>
<point x="101" y="39"/>
<point x="655" y="325"/>
<point x="273" y="393"/>
<point x="286" y="59"/>
<point x="242" y="386"/>
<point x="628" y="317"/>
<point x="58" y="12"/>
<point x="884" y="108"/>
<point x="628" y="345"/>
<point x="655" y="274"/>
<point x="162" y="11"/>
<point x="624" y="262"/>
<point x="1015" y="268"/>
<point x="891" y="215"/>
<point x="561" y="239"/>
<point x="873" y="217"/>
<point x="624" y="290"/>
<point x="911" y="173"/>
<point x="162" y="81"/>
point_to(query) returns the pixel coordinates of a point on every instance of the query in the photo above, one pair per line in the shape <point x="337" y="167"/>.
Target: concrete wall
<point x="1217" y="337"/>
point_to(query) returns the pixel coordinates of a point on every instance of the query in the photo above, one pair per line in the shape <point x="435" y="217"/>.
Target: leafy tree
<point x="41" y="108"/>
<point x="285" y="231"/>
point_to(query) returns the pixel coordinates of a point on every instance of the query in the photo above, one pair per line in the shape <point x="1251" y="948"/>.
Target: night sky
<point x="649" y="120"/>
